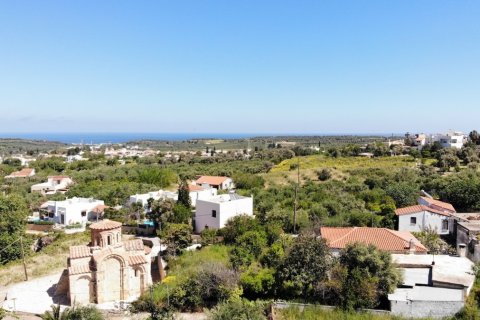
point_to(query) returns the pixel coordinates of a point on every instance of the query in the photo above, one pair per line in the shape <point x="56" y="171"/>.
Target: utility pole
<point x="296" y="197"/>
<point x="23" y="258"/>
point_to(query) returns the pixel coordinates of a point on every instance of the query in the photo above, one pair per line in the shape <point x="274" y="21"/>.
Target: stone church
<point x="109" y="269"/>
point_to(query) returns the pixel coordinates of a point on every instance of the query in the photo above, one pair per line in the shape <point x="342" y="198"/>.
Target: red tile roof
<point x="438" y="203"/>
<point x="25" y="172"/>
<point x="105" y="225"/>
<point x="384" y="239"/>
<point x="419" y="208"/>
<point x="212" y="180"/>
<point x="79" y="252"/>
<point x="133" y="245"/>
<point x="83" y="268"/>
<point x="137" y="259"/>
<point x="192" y="187"/>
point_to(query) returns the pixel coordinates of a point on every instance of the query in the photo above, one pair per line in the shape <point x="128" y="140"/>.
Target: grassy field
<point x="285" y="172"/>
<point x="50" y="260"/>
<point x="317" y="313"/>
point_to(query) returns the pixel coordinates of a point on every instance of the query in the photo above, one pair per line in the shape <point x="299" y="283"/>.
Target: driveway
<point x="33" y="296"/>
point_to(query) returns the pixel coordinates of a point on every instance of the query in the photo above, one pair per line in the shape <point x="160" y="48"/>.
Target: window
<point x="413" y="220"/>
<point x="214" y="213"/>
<point x="444" y="224"/>
<point x="109" y="240"/>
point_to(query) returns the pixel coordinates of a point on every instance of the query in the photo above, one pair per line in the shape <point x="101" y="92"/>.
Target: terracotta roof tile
<point x="440" y="204"/>
<point x="192" y="187"/>
<point x="79" y="252"/>
<point x="25" y="172"/>
<point x="137" y="259"/>
<point x="212" y="180"/>
<point x="105" y="225"/>
<point x="419" y="208"/>
<point x="83" y="268"/>
<point x="382" y="238"/>
<point x="133" y="245"/>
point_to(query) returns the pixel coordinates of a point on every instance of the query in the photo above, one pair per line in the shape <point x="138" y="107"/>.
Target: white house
<point x="428" y="214"/>
<point x="200" y="193"/>
<point x="433" y="286"/>
<point x="195" y="192"/>
<point x="419" y="217"/>
<point x="155" y="195"/>
<point x="75" y="210"/>
<point x="452" y="139"/>
<point x="220" y="183"/>
<point x="215" y="212"/>
<point x="53" y="185"/>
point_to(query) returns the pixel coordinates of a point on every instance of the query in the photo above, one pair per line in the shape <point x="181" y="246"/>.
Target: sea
<point x="122" y="137"/>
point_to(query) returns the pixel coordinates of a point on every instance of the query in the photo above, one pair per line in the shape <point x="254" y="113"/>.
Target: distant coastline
<point x="118" y="137"/>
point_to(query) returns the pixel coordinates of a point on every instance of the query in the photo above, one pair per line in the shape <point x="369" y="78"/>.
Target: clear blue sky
<point x="239" y="66"/>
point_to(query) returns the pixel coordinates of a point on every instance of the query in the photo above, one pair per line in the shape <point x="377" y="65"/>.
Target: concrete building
<point x="452" y="139"/>
<point x="220" y="183"/>
<point x="74" y="210"/>
<point x="431" y="289"/>
<point x="215" y="212"/>
<point x="53" y="185"/>
<point x="24" y="173"/>
<point x="467" y="234"/>
<point x="383" y="238"/>
<point x="109" y="269"/>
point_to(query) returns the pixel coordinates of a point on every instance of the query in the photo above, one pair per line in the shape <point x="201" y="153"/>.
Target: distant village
<point x="118" y="266"/>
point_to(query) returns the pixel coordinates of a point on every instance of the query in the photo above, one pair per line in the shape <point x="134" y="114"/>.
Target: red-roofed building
<point x="383" y="238"/>
<point x="428" y="214"/>
<point x="24" y="173"/>
<point x="220" y="183"/>
<point x="53" y="185"/>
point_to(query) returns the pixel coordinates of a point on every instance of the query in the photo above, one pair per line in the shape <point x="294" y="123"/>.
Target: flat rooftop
<point x="225" y="198"/>
<point x="447" y="269"/>
<point x="421" y="293"/>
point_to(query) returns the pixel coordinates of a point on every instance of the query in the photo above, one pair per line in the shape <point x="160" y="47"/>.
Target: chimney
<point x="411" y="247"/>
<point x="462" y="250"/>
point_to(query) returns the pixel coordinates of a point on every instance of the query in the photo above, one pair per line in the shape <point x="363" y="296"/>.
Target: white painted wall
<point x="155" y="195"/>
<point x="204" y="194"/>
<point x="450" y="140"/>
<point x="424" y="219"/>
<point x="72" y="209"/>
<point x="224" y="211"/>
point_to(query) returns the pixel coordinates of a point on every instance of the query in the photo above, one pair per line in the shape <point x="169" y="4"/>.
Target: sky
<point x="239" y="66"/>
